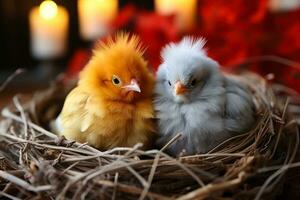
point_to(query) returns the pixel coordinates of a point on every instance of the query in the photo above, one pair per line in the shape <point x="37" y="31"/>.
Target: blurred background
<point x="50" y="37"/>
<point x="15" y="29"/>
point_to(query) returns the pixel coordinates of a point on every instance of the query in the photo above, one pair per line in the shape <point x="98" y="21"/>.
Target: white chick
<point x="194" y="98"/>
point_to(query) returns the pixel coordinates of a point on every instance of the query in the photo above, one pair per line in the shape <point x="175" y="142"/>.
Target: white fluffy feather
<point x="212" y="110"/>
<point x="188" y="45"/>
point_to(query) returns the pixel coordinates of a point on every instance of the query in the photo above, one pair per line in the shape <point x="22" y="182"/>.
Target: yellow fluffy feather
<point x="112" y="103"/>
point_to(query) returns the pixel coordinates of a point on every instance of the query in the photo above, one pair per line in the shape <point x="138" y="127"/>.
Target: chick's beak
<point x="180" y="88"/>
<point x="133" y="86"/>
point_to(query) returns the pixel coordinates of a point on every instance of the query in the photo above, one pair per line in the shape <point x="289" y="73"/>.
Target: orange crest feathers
<point x="121" y="40"/>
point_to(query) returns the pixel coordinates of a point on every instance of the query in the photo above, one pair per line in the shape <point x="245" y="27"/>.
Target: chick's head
<point x="186" y="72"/>
<point x="118" y="71"/>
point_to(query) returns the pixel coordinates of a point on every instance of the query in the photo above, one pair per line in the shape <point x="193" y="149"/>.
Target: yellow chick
<point x="112" y="103"/>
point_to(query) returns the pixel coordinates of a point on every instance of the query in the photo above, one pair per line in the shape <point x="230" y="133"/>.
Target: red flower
<point x="77" y="62"/>
<point x="125" y="18"/>
<point x="222" y="13"/>
<point x="236" y="30"/>
<point x="155" y="31"/>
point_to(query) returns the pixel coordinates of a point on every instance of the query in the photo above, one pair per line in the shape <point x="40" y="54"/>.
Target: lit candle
<point x="49" y="29"/>
<point x="95" y="17"/>
<point x="283" y="5"/>
<point x="184" y="11"/>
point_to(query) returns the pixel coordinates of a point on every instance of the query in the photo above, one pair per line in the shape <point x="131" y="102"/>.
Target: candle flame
<point x="48" y="9"/>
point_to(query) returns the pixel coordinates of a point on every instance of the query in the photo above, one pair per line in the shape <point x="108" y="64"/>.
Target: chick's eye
<point x="193" y="82"/>
<point x="116" y="80"/>
<point x="169" y="83"/>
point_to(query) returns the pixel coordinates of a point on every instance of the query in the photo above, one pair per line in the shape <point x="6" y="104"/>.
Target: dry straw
<point x="37" y="164"/>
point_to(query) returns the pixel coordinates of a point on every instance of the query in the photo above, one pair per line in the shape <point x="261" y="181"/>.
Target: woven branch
<point x="35" y="163"/>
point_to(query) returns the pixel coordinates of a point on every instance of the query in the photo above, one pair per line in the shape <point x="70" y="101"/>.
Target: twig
<point x="181" y="165"/>
<point x="9" y="196"/>
<point x="271" y="58"/>
<point x="84" y="158"/>
<point x="8" y="114"/>
<point x="176" y="137"/>
<point x="281" y="127"/>
<point x="136" y="174"/>
<point x="24" y="184"/>
<point x="150" y="178"/>
<point x="205" y="191"/>
<point x="117" y="162"/>
<point x="23" y="116"/>
<point x="46" y="145"/>
<point x="10" y="78"/>
<point x="86" y="192"/>
<point x="215" y="155"/>
<point x="276" y="167"/>
<point x="115" y="186"/>
<point x="132" y="190"/>
<point x="279" y="171"/>
<point x="70" y="167"/>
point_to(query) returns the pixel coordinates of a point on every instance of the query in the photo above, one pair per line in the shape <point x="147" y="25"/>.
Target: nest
<point x="260" y="164"/>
